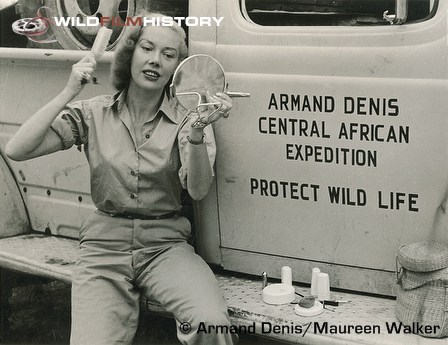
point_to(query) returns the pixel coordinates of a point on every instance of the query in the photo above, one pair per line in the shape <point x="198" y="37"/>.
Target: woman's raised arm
<point x="200" y="174"/>
<point x="35" y="138"/>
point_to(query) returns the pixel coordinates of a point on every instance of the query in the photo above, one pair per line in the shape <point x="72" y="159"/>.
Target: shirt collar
<point x="167" y="106"/>
<point x="118" y="98"/>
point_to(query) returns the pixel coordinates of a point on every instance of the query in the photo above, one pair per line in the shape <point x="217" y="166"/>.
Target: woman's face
<point x="155" y="57"/>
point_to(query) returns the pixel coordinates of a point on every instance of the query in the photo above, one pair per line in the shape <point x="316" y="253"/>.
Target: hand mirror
<point x="192" y="79"/>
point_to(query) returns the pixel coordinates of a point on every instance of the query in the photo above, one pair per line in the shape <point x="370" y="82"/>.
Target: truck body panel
<point x="338" y="157"/>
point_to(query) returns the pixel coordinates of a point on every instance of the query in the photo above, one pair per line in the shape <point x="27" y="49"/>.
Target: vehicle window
<point x="331" y="12"/>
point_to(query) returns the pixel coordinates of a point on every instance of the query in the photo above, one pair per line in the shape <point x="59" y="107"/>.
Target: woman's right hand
<point x="80" y="75"/>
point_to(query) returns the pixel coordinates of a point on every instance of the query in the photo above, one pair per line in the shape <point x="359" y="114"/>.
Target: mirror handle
<point x="237" y="94"/>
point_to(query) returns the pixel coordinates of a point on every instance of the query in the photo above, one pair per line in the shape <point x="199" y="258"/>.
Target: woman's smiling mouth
<point x="150" y="74"/>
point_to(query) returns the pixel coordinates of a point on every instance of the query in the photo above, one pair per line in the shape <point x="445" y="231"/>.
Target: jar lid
<point x="315" y="310"/>
<point x="423" y="256"/>
<point x="278" y="294"/>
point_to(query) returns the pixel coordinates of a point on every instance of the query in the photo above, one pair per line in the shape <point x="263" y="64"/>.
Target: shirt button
<point x="133" y="196"/>
<point x="147" y="136"/>
<point x="132" y="172"/>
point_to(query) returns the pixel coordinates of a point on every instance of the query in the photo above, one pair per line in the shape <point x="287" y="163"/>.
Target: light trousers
<point x="120" y="260"/>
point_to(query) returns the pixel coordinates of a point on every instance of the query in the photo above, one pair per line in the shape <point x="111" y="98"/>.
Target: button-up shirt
<point x="143" y="177"/>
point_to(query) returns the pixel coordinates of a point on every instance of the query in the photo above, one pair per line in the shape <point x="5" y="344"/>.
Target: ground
<point x="40" y="314"/>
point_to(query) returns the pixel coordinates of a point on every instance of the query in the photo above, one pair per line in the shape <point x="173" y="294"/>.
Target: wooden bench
<point x="53" y="257"/>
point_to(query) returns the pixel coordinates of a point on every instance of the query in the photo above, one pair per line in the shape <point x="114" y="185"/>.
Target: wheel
<point x="77" y="37"/>
<point x="82" y="37"/>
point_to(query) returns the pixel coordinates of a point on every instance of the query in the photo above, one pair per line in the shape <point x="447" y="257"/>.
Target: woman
<point x="141" y="153"/>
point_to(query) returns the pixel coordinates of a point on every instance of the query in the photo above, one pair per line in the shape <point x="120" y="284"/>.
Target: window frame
<point x="432" y="13"/>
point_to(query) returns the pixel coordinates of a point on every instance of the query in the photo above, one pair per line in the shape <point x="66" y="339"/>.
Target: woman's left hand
<point x="220" y="109"/>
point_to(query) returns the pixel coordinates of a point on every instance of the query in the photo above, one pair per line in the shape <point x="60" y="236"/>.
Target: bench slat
<point x="54" y="257"/>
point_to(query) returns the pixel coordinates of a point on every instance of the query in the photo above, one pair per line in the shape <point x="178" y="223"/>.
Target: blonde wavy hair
<point x="121" y="65"/>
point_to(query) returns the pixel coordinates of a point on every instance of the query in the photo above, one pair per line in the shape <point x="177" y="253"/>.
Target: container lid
<point x="278" y="294"/>
<point x="423" y="256"/>
<point x="315" y="310"/>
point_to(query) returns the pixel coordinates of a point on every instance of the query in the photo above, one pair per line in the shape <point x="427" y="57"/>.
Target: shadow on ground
<point x="40" y="314"/>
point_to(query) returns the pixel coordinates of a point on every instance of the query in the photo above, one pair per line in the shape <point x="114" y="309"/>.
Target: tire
<point x="82" y="38"/>
<point x="76" y="38"/>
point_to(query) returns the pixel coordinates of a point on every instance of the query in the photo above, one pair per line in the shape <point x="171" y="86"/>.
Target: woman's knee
<point x="209" y="316"/>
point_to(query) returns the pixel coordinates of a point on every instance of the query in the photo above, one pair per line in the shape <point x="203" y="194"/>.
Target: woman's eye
<point x="146" y="48"/>
<point x="169" y="55"/>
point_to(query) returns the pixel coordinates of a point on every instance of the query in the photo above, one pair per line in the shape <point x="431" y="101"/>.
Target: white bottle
<point x="314" y="283"/>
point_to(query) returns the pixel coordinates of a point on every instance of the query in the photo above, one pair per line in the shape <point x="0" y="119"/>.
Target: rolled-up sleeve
<point x="184" y="146"/>
<point x="70" y="125"/>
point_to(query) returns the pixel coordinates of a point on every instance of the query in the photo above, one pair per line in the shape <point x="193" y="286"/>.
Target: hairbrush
<point x="101" y="40"/>
<point x="99" y="46"/>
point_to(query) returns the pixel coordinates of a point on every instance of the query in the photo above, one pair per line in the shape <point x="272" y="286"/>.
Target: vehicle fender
<point x="13" y="215"/>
